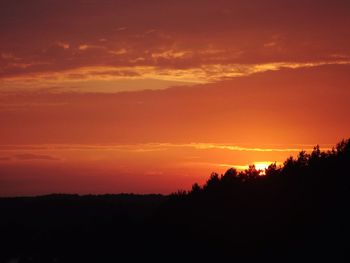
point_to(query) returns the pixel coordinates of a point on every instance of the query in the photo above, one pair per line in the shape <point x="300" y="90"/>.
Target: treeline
<point x="299" y="211"/>
<point x="296" y="212"/>
<point x="319" y="166"/>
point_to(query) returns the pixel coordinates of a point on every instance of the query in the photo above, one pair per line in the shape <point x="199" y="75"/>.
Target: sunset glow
<point x="262" y="166"/>
<point x="152" y="96"/>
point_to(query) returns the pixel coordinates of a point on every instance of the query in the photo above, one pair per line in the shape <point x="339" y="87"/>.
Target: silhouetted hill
<point x="296" y="212"/>
<point x="73" y="228"/>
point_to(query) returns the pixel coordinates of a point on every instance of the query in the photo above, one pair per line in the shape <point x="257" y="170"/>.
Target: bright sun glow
<point x="258" y="166"/>
<point x="262" y="166"/>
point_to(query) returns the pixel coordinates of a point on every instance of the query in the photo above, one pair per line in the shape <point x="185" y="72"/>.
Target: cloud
<point x="103" y="74"/>
<point x="118" y="52"/>
<point x="63" y="45"/>
<point x="275" y="105"/>
<point x="84" y="47"/>
<point x="170" y="54"/>
<point x="31" y="156"/>
<point x="60" y="40"/>
<point x="25" y="156"/>
<point x="146" y="147"/>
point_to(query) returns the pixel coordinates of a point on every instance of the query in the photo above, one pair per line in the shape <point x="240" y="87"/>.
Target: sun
<point x="262" y="166"/>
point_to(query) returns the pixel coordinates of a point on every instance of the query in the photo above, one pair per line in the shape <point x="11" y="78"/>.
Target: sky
<point x="151" y="96"/>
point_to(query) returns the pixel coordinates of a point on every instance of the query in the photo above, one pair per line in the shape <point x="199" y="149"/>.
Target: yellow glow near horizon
<point x="258" y="166"/>
<point x="262" y="165"/>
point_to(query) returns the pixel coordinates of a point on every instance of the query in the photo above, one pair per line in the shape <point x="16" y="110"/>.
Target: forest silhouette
<point x="298" y="211"/>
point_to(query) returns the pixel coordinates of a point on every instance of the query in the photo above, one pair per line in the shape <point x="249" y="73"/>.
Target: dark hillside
<point x="297" y="212"/>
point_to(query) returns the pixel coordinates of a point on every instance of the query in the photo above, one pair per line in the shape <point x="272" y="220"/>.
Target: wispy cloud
<point x="213" y="42"/>
<point x="28" y="157"/>
<point x="32" y="156"/>
<point x="149" y="147"/>
<point x="63" y="45"/>
<point x="202" y="74"/>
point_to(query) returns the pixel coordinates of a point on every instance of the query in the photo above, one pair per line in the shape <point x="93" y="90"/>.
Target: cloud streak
<point x="275" y="106"/>
<point x="32" y="156"/>
<point x="103" y="74"/>
<point x="113" y="40"/>
<point x="28" y="156"/>
<point x="146" y="147"/>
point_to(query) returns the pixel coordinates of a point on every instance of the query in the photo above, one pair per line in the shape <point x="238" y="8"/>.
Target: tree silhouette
<point x="294" y="212"/>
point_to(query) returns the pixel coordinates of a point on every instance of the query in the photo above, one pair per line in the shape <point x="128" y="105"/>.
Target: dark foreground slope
<point x="73" y="228"/>
<point x="295" y="213"/>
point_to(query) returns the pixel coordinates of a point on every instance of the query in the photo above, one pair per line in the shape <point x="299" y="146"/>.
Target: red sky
<point x="151" y="96"/>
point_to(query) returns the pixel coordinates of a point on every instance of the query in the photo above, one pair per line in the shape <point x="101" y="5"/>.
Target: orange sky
<point x="140" y="96"/>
